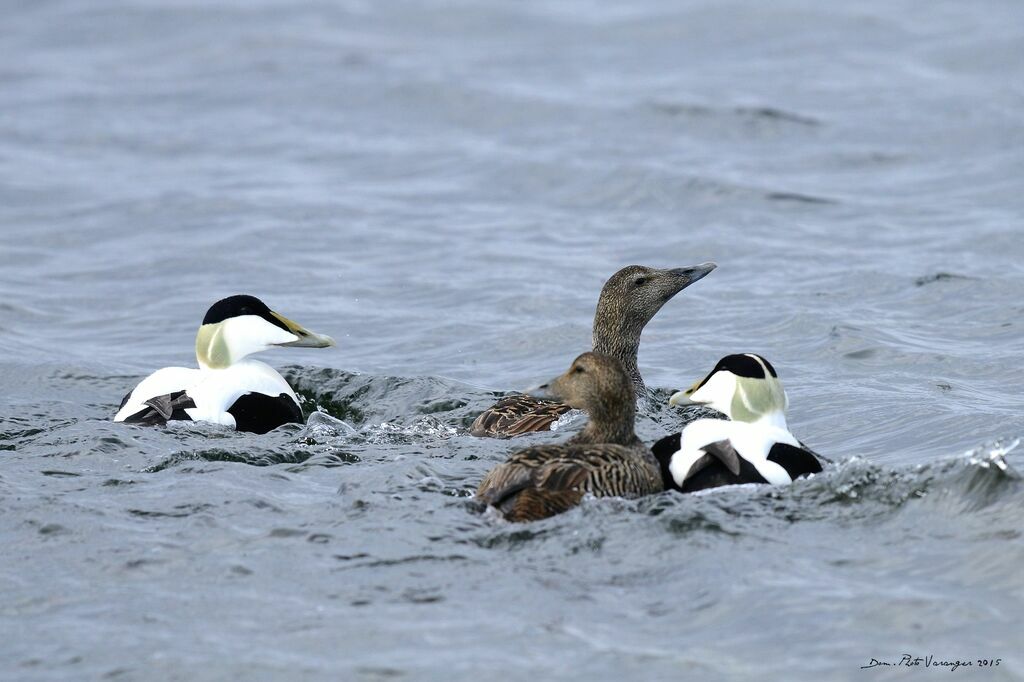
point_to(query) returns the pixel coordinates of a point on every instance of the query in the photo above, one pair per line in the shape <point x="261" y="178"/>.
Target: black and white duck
<point x="229" y="388"/>
<point x="752" y="445"/>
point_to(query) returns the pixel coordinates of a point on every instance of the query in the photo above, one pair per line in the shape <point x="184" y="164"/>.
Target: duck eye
<point x="577" y="369"/>
<point x="640" y="281"/>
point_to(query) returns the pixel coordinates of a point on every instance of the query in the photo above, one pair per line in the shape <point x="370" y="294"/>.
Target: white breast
<point x="220" y="388"/>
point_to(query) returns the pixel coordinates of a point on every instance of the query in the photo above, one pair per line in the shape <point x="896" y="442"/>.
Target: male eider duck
<point x="628" y="301"/>
<point x="604" y="459"/>
<point x="229" y="388"/>
<point x="753" y="446"/>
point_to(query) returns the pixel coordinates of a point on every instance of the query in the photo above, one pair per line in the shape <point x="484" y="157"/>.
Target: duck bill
<point x="687" y="276"/>
<point x="543" y="391"/>
<point x="682" y="398"/>
<point x="549" y="390"/>
<point x="305" y="337"/>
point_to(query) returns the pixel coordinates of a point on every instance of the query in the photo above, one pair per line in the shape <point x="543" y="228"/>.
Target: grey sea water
<point x="444" y="188"/>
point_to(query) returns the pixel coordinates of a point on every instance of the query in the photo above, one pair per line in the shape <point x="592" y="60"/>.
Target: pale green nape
<point x="211" y="347"/>
<point x="754" y="398"/>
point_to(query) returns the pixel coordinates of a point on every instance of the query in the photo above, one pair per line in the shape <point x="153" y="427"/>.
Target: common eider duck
<point x="604" y="459"/>
<point x="754" y="445"/>
<point x="229" y="388"/>
<point x="628" y="301"/>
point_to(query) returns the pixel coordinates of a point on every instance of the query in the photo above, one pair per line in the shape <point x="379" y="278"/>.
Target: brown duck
<point x="605" y="459"/>
<point x="628" y="301"/>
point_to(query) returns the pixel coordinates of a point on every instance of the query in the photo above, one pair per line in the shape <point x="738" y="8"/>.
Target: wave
<point x="853" y="492"/>
<point x="361" y="420"/>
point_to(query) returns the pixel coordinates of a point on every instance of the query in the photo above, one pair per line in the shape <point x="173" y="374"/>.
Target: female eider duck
<point x="753" y="446"/>
<point x="628" y="301"/>
<point x="604" y="459"/>
<point x="229" y="388"/>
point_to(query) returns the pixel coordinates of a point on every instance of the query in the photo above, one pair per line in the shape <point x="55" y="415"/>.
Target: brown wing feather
<point x="517" y="414"/>
<point x="504" y="481"/>
<point x="543" y="481"/>
<point x="533" y="504"/>
<point x="530" y="486"/>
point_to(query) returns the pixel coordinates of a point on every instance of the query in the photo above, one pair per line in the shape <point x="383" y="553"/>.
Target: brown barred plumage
<point x="604" y="459"/>
<point x="517" y="414"/>
<point x="543" y="481"/>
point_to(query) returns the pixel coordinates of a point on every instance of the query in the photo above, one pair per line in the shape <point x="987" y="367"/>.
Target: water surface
<point x="444" y="187"/>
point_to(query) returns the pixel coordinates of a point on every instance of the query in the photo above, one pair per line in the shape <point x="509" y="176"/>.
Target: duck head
<point x="635" y="294"/>
<point x="744" y="387"/>
<point x="238" y="326"/>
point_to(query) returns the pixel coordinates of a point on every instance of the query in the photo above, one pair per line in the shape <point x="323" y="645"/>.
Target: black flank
<point x="795" y="461"/>
<point x="715" y="475"/>
<point x="259" y="413"/>
<point x="663" y="451"/>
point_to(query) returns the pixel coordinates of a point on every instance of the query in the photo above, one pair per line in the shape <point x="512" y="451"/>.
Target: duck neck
<point x="773" y="419"/>
<point x="212" y="351"/>
<point x="609" y="423"/>
<point x="621" y="342"/>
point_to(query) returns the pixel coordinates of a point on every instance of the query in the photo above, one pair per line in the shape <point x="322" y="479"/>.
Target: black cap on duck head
<point x="236" y="306"/>
<point x="746" y="365"/>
